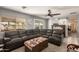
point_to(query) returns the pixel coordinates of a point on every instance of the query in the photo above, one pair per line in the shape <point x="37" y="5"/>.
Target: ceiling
<point x="43" y="10"/>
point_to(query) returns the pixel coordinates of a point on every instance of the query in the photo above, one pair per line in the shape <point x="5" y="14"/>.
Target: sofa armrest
<point x="6" y="39"/>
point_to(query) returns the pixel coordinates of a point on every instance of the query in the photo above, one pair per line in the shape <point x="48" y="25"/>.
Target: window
<point x="12" y="23"/>
<point x="38" y="24"/>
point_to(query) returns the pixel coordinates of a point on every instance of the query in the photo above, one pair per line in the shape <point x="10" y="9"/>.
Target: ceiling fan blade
<point x="56" y="14"/>
<point x="51" y="15"/>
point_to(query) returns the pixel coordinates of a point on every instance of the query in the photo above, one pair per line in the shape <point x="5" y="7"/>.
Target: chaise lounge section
<point x="17" y="38"/>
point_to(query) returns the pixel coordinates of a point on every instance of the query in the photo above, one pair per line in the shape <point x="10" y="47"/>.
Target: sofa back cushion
<point x="12" y="34"/>
<point x="36" y="31"/>
<point x="29" y="32"/>
<point x="58" y="31"/>
<point x="22" y="33"/>
<point x="43" y="31"/>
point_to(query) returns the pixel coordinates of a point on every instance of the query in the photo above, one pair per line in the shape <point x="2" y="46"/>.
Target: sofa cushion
<point x="36" y="31"/>
<point x="58" y="32"/>
<point x="12" y="34"/>
<point x="6" y="39"/>
<point x="28" y="32"/>
<point x="22" y="33"/>
<point x="55" y="40"/>
<point x="14" y="41"/>
<point x="13" y="44"/>
<point x="43" y="31"/>
<point x="25" y="38"/>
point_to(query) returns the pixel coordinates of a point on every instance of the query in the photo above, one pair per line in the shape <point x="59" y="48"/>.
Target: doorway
<point x="73" y="21"/>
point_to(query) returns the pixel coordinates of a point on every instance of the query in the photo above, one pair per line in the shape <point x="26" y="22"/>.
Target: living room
<point x="42" y="28"/>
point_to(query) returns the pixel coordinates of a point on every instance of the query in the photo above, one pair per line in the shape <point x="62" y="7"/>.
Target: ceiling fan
<point x="50" y="13"/>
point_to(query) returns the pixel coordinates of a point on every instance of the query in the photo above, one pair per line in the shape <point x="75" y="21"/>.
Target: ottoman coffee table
<point x="36" y="44"/>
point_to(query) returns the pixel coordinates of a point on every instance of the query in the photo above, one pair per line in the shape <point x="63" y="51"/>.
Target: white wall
<point x="29" y="18"/>
<point x="49" y="23"/>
